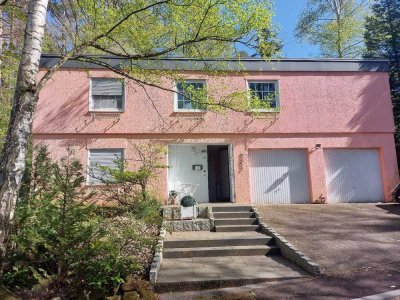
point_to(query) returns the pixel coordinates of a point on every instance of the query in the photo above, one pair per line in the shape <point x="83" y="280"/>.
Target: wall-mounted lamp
<point x="317" y="146"/>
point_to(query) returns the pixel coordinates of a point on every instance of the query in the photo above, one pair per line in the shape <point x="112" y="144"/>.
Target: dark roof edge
<point x="234" y="64"/>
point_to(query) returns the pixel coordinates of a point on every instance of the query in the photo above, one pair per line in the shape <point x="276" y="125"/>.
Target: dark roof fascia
<point x="234" y="65"/>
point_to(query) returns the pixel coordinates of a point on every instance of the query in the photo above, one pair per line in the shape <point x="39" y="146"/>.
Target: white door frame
<point x="231" y="165"/>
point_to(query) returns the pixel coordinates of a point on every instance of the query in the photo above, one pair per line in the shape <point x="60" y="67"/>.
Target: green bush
<point x="187" y="201"/>
<point x="63" y="242"/>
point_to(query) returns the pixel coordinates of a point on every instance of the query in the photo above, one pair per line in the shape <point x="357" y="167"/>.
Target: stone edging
<point x="158" y="255"/>
<point x="289" y="251"/>
<point x="210" y="216"/>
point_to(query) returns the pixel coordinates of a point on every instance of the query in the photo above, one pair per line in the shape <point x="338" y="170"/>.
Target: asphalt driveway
<point x="342" y="238"/>
<point x="357" y="245"/>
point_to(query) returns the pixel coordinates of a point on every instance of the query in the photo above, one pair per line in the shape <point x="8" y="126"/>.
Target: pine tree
<point x="382" y="40"/>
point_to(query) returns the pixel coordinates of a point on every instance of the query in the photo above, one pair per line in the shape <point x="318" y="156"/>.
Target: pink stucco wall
<point x="335" y="109"/>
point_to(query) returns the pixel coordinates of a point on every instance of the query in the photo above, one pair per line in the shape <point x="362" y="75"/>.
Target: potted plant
<point x="188" y="207"/>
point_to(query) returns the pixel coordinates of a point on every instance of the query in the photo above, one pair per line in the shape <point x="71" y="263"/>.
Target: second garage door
<point x="353" y="175"/>
<point x="279" y="176"/>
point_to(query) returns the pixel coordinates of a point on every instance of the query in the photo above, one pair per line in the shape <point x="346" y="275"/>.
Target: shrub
<point x="63" y="241"/>
<point x="187" y="201"/>
<point x="133" y="180"/>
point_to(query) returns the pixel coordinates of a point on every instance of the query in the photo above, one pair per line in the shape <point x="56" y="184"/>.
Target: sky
<point x="286" y="16"/>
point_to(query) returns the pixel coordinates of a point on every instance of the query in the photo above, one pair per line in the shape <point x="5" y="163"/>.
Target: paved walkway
<point x="227" y="268"/>
<point x="224" y="268"/>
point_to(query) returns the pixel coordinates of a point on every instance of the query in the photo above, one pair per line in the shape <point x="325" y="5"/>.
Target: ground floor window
<point x="102" y="157"/>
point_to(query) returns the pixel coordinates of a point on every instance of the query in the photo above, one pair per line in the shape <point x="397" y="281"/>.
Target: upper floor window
<point x="106" y="94"/>
<point x="99" y="158"/>
<point x="190" y="95"/>
<point x="264" y="95"/>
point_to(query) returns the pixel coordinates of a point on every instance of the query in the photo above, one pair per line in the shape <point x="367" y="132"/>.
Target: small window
<point x="102" y="157"/>
<point x="184" y="98"/>
<point x="266" y="92"/>
<point x="107" y="94"/>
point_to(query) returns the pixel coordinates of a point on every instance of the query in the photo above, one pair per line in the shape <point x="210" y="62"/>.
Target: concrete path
<point x="227" y="268"/>
<point x="214" y="259"/>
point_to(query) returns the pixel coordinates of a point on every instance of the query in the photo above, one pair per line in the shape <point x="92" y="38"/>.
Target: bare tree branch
<point x="93" y="60"/>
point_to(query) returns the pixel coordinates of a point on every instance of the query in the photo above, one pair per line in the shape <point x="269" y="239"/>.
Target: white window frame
<point x="91" y="109"/>
<point x="88" y="163"/>
<point x="278" y="104"/>
<point x="176" y="109"/>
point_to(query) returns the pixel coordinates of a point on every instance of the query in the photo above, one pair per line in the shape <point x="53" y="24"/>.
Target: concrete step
<point x="178" y="274"/>
<point x="234" y="215"/>
<point x="232" y="208"/>
<point x="262" y="240"/>
<point x="239" y="221"/>
<point x="221" y="251"/>
<point x="235" y="228"/>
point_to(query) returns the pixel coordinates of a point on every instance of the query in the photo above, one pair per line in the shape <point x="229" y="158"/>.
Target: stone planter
<point x="188" y="213"/>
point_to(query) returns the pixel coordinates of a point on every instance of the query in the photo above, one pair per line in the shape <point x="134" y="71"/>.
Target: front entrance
<point x="219" y="189"/>
<point x="203" y="169"/>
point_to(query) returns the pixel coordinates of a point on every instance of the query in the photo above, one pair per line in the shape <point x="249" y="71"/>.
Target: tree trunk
<point x="12" y="164"/>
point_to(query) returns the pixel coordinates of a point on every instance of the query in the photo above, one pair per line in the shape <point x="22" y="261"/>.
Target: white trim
<point x="231" y="173"/>
<point x="175" y="107"/>
<point x="91" y="109"/>
<point x="278" y="103"/>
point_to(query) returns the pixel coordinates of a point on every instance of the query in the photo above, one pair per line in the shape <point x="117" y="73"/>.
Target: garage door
<point x="353" y="175"/>
<point x="279" y="176"/>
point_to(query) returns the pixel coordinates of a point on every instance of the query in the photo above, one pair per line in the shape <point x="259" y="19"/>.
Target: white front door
<point x="188" y="165"/>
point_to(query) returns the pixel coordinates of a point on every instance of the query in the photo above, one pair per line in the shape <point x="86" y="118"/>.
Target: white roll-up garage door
<point x="353" y="175"/>
<point x="279" y="176"/>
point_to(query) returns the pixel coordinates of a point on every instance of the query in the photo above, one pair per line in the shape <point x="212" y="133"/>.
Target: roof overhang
<point x="234" y="65"/>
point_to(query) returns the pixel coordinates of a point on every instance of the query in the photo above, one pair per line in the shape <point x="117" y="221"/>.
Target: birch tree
<point x="25" y="98"/>
<point x="143" y="30"/>
<point x="336" y="26"/>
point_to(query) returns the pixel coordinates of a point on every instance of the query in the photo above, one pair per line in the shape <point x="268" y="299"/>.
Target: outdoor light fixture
<point x="317" y="146"/>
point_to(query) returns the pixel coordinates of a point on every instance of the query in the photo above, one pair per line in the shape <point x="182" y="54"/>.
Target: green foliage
<point x="335" y="26"/>
<point x="149" y="30"/>
<point x="61" y="240"/>
<point x="193" y="28"/>
<point x="188" y="201"/>
<point x="271" y="46"/>
<point x="13" y="23"/>
<point x="132" y="180"/>
<point x="382" y="40"/>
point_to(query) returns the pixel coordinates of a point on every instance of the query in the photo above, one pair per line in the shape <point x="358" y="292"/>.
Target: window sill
<point x="277" y="110"/>
<point x="196" y="111"/>
<point x="106" y="111"/>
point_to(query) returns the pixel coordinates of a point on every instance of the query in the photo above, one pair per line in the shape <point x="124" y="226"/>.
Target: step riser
<point x="232" y="209"/>
<point x="221" y="252"/>
<point x="237" y="229"/>
<point x="249" y="221"/>
<point x="234" y="215"/>
<point x="217" y="243"/>
<point x="211" y="284"/>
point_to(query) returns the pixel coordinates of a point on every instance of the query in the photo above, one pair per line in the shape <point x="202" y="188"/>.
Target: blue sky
<point x="286" y="16"/>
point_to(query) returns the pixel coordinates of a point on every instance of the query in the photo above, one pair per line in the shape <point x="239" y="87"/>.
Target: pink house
<point x="326" y="136"/>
